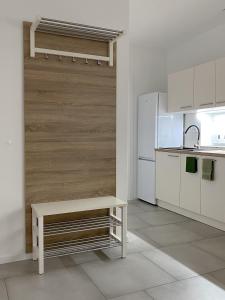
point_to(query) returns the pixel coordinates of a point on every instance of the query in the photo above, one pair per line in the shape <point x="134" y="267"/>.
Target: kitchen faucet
<point x="198" y="141"/>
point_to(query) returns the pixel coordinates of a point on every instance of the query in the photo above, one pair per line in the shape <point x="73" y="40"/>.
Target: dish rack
<point x="116" y="234"/>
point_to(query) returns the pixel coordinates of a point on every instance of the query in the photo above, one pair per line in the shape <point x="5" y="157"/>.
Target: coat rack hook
<point x="86" y="61"/>
<point x="46" y="56"/>
<point x="99" y="62"/>
<point x="74" y="59"/>
<point x="60" y="57"/>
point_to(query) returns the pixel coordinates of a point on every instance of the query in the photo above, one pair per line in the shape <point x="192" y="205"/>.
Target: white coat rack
<point x="73" y="30"/>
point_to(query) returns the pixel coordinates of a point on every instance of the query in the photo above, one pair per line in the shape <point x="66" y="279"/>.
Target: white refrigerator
<point x="156" y="129"/>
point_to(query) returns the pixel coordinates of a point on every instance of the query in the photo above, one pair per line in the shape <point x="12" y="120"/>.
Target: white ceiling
<point x="165" y="23"/>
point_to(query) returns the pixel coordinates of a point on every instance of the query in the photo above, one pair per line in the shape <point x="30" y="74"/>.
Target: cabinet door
<point x="181" y="90"/>
<point x="190" y="187"/>
<point x="213" y="193"/>
<point x="168" y="177"/>
<point x="204" y="85"/>
<point x="220" y="82"/>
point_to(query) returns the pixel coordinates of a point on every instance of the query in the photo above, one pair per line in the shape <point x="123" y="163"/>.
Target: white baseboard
<point x="9" y="259"/>
<point x="192" y="215"/>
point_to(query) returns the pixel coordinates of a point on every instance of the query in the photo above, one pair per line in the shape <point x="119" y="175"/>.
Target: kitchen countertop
<point x="203" y="152"/>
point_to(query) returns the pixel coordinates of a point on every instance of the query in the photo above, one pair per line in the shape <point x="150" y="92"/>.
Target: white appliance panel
<point x="156" y="128"/>
<point x="146" y="181"/>
<point x="147" y="125"/>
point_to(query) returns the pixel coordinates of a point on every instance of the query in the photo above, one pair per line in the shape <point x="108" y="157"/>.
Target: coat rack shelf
<point x="76" y="30"/>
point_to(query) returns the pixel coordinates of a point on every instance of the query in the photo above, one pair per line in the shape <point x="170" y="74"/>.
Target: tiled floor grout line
<point x="209" y="273"/>
<point x="168" y="283"/>
<point x="158" y="246"/>
<point x="191" y="243"/>
<point x="192" y="276"/>
<point x="7" y="293"/>
<point x="206" y="251"/>
<point x="175" y="280"/>
<point x="73" y="265"/>
<point x="158" y="266"/>
<point x="152" y="298"/>
<point x="92" y="281"/>
<point x="180" y="280"/>
<point x="178" y="222"/>
<point x="186" y="221"/>
<point x="175" y="244"/>
<point x="166" y="224"/>
<point x="144" y="291"/>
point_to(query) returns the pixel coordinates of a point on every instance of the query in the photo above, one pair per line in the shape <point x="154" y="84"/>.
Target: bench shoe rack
<point x="40" y="230"/>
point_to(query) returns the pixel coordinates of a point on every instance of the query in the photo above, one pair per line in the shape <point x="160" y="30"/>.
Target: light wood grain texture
<point x="70" y="125"/>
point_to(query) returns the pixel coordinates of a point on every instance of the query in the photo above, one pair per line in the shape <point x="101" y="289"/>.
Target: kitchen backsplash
<point x="212" y="127"/>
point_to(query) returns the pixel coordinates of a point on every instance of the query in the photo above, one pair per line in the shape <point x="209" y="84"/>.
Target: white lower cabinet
<point x="190" y="190"/>
<point x="168" y="177"/>
<point x="213" y="192"/>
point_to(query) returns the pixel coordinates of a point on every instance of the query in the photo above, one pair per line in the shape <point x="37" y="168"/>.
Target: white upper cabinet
<point x="200" y="87"/>
<point x="181" y="90"/>
<point x="204" y="85"/>
<point x="220" y="82"/>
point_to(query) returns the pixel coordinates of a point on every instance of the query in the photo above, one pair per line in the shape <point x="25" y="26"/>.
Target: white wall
<point x="148" y="74"/>
<point x="106" y="13"/>
<point x="204" y="47"/>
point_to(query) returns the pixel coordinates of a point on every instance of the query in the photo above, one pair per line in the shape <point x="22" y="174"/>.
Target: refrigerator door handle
<point x="147" y="159"/>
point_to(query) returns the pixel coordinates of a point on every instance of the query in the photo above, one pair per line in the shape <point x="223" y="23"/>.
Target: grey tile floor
<point x="169" y="257"/>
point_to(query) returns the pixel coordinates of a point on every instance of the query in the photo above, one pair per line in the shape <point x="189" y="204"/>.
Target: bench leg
<point x="111" y="230"/>
<point x="40" y="245"/>
<point x="124" y="232"/>
<point x="34" y="235"/>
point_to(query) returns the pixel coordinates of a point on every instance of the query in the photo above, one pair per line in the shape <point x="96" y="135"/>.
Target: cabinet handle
<point x="187" y="106"/>
<point x="173" y="155"/>
<point x="204" y="104"/>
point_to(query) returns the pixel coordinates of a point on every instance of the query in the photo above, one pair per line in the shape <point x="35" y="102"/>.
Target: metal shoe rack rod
<point x="82" y="245"/>
<point x="80" y="225"/>
<point x="44" y="235"/>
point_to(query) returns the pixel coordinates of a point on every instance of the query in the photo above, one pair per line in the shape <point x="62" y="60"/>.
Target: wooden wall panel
<point x="70" y="124"/>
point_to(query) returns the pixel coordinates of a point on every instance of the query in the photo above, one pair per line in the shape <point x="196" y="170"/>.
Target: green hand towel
<point x="208" y="169"/>
<point x="191" y="165"/>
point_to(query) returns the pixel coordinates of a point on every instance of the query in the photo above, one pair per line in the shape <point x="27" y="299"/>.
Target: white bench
<point x="113" y="239"/>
